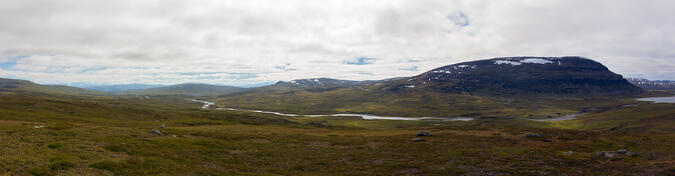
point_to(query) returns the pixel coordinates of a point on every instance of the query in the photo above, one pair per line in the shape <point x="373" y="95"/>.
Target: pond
<point x="658" y="99"/>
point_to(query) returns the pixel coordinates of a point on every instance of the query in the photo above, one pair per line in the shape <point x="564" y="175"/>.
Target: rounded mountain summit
<point x="569" y="75"/>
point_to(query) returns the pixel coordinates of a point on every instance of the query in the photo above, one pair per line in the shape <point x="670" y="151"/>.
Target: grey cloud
<point x="151" y="41"/>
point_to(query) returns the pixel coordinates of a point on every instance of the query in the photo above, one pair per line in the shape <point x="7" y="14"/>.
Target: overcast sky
<point x="252" y="42"/>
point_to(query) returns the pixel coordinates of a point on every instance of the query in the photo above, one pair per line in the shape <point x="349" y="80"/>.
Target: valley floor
<point x="112" y="136"/>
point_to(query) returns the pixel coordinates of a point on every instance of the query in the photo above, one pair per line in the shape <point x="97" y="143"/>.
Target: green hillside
<point x="15" y="85"/>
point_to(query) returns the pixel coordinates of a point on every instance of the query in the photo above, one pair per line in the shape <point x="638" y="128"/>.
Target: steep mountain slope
<point x="189" y="89"/>
<point x="16" y="85"/>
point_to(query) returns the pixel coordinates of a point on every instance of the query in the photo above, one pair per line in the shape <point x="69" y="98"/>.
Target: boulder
<point x="417" y="139"/>
<point x="156" y="132"/>
<point x="631" y="154"/>
<point x="162" y="126"/>
<point x="532" y="135"/>
<point x="615" y="156"/>
<point x="568" y="152"/>
<point x="608" y="154"/>
<point x="424" y="133"/>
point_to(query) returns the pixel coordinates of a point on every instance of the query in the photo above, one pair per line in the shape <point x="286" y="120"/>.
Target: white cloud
<point x="151" y="41"/>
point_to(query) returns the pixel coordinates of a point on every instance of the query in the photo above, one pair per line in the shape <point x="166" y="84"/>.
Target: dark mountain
<point x="524" y="75"/>
<point x="533" y="84"/>
<point x="319" y="83"/>
<point x="192" y="89"/>
<point x="500" y="76"/>
<point x="121" y="87"/>
<point x="16" y="85"/>
<point x="653" y="85"/>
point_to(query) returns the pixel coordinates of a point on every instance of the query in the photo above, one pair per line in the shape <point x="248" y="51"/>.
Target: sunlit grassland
<point x="111" y="136"/>
<point x="643" y="117"/>
<point x="414" y="103"/>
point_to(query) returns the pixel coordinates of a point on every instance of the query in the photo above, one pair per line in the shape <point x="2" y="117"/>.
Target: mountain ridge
<point x="653" y="84"/>
<point x="193" y="89"/>
<point x="498" y="76"/>
<point x="567" y="75"/>
<point x="517" y="85"/>
<point x="117" y="88"/>
<point x="18" y="85"/>
<point x="520" y="75"/>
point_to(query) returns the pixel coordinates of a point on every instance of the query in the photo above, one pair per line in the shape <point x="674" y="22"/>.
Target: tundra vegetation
<point x="111" y="135"/>
<point x="60" y="130"/>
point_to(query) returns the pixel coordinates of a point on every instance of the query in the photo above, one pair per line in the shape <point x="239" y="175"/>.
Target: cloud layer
<point x="250" y="42"/>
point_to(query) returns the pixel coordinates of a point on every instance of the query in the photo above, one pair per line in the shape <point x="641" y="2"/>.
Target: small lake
<point x="658" y="99"/>
<point x="575" y="115"/>
<point x="561" y="118"/>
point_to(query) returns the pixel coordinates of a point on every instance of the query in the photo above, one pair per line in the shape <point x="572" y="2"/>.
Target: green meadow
<point x="111" y="135"/>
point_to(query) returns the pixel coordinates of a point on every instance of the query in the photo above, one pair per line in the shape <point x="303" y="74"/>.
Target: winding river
<point x="206" y="103"/>
<point x="374" y="117"/>
<point x="364" y="116"/>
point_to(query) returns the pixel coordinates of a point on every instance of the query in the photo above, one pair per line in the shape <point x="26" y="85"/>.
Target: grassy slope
<point x="8" y="86"/>
<point x="645" y="117"/>
<point x="357" y="100"/>
<point x="413" y="102"/>
<point x="101" y="136"/>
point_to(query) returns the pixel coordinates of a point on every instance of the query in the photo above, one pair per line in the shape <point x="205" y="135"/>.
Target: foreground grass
<point x="112" y="137"/>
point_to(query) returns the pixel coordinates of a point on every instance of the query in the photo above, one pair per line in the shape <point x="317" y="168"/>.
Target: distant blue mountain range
<point x="117" y="87"/>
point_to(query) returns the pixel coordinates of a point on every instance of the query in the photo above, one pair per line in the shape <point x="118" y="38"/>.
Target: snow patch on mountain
<point x="442" y="71"/>
<point x="536" y="61"/>
<point x="500" y="62"/>
<point x="525" y="61"/>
